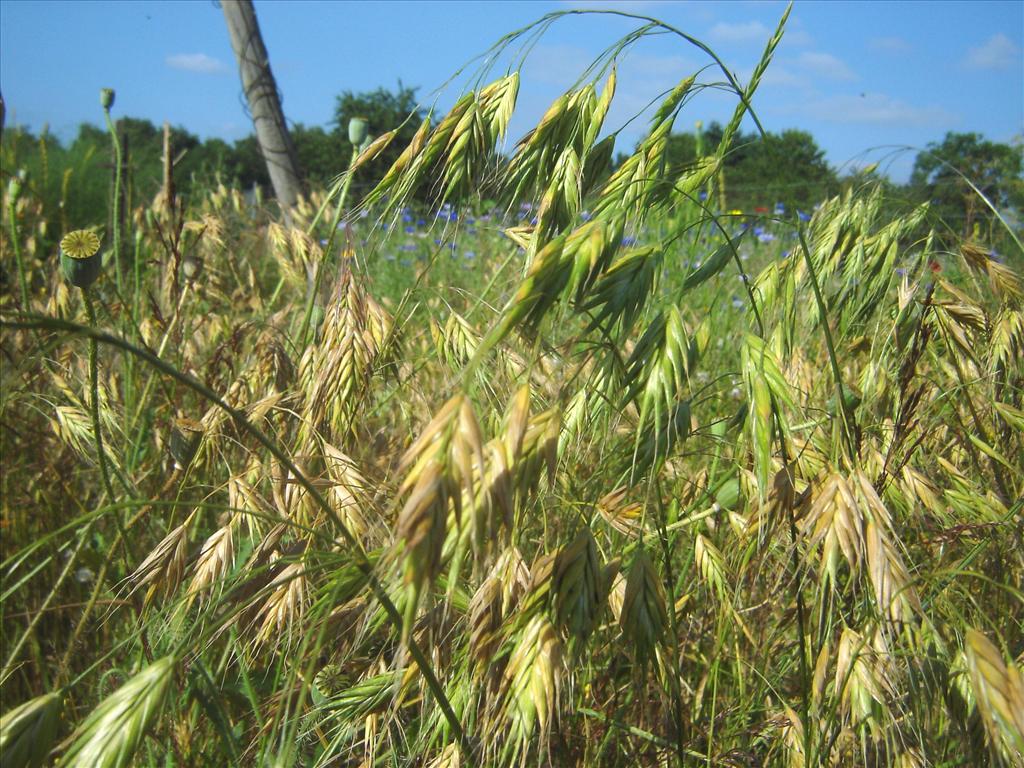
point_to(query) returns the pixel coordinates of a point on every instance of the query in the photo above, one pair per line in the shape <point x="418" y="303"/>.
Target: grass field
<point x="588" y="475"/>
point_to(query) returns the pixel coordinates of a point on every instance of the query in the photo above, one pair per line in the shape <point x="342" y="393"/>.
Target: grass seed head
<point x="110" y="735"/>
<point x="28" y="732"/>
<point x="998" y="689"/>
<point x="644" y="615"/>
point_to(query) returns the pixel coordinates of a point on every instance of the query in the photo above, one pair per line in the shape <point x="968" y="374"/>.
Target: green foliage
<point x="385" y="110"/>
<point x="788" y="167"/>
<point x="953" y="173"/>
<point x="322" y="154"/>
<point x="623" y="488"/>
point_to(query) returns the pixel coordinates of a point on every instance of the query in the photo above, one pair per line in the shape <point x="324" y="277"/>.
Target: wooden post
<point x="264" y="105"/>
<point x="168" y="162"/>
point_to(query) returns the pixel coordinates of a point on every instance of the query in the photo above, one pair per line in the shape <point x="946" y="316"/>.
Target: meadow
<point x="587" y="472"/>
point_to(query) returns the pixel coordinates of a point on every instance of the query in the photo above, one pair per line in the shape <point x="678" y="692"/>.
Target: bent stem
<point x="243" y="424"/>
<point x="94" y="407"/>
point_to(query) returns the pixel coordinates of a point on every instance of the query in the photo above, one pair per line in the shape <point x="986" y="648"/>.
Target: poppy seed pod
<point x="80" y="258"/>
<point x="106" y="98"/>
<point x="14" y="187"/>
<point x="357" y="130"/>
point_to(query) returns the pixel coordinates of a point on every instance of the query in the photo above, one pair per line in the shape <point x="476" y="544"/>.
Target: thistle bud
<point x="106" y="98"/>
<point x="80" y="258"/>
<point x="357" y="130"/>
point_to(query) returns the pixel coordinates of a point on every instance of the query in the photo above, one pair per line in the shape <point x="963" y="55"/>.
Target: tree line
<point x="786" y="168"/>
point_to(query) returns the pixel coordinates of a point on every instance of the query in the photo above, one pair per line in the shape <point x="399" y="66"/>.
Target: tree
<point x="323" y="154"/>
<point x="941" y="175"/>
<point x="261" y="93"/>
<point x="788" y="167"/>
<point x="384" y="110"/>
<point x="246" y="164"/>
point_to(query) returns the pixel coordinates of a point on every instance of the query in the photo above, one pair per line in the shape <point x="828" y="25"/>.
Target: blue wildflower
<point x="803" y="216"/>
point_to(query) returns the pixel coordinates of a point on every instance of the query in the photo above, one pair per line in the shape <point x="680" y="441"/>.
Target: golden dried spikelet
<point x="162" y="569"/>
<point x="998" y="689"/>
<point x="439" y="470"/>
<point x="283" y="609"/>
<point x="485" y="617"/>
<point x="711" y="566"/>
<point x="625" y="517"/>
<point x="215" y="560"/>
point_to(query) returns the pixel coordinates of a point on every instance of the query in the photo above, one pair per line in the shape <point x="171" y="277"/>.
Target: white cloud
<point x="795" y="35"/>
<point x="874" y="108"/>
<point x="891" y="44"/>
<point x="825" y="65"/>
<point x="744" y="32"/>
<point x="196" y="62"/>
<point x="998" y="52"/>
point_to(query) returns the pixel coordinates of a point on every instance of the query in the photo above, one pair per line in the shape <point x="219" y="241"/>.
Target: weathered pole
<point x="264" y="106"/>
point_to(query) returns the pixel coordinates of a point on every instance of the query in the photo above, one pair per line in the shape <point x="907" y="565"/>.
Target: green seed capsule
<point x="357" y="130"/>
<point x="80" y="257"/>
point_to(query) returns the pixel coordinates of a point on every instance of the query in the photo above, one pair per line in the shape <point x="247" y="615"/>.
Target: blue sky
<point x="857" y="75"/>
